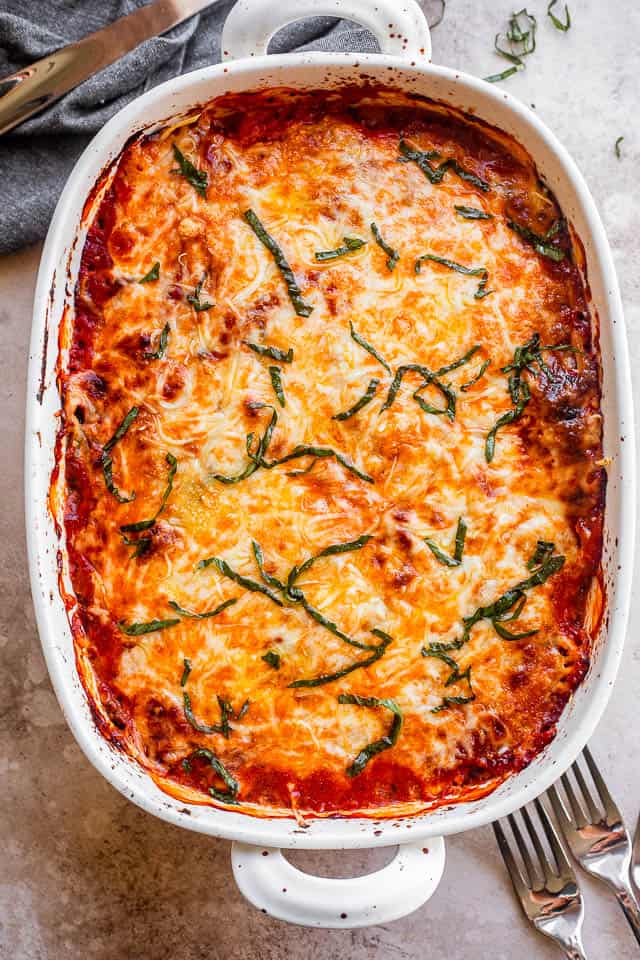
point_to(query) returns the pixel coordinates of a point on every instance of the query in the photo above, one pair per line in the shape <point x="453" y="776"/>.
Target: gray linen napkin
<point x="35" y="158"/>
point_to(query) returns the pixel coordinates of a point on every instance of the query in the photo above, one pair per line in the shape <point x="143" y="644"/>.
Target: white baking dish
<point x="410" y="879"/>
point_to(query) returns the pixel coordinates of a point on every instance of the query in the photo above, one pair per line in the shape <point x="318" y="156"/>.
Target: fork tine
<point x="577" y="811"/>
<point x="511" y="865"/>
<point x="532" y="873"/>
<point x="608" y="802"/>
<point x="565" y="869"/>
<point x="545" y="865"/>
<point x="562" y="816"/>
<point x="594" y="813"/>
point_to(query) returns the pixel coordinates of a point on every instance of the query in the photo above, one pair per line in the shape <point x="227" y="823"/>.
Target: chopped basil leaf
<point x="153" y="274"/>
<point x="470" y="213"/>
<point x="198" y="179"/>
<point x="366" y="398"/>
<point x="350" y="244"/>
<point x="378" y="651"/>
<point x="226" y="713"/>
<point x="452" y="702"/>
<point x="202" y="616"/>
<point x="276" y="383"/>
<point x="559" y="24"/>
<point x="194" y="298"/>
<point x="185" y="673"/>
<point x="272" y="352"/>
<point x="295" y="294"/>
<point x="423" y="158"/>
<point x="158" y="354"/>
<point x="141" y="525"/>
<point x="224" y="796"/>
<point x="617" y="149"/>
<point x="521" y="37"/>
<point x="524" y="358"/>
<point x="320" y="453"/>
<point x="539" y="244"/>
<point x="107" y="462"/>
<point x="223" y="567"/>
<point x="367" y="346"/>
<point x="392" y="255"/>
<point x="459" y="268"/>
<point x="272" y="659"/>
<point x="481" y="372"/>
<point x="139" y="629"/>
<point x="497" y="77"/>
<point x="384" y="743"/>
<point x="456" y="559"/>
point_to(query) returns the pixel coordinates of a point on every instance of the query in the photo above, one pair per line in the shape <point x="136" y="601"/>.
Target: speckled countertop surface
<point x="83" y="873"/>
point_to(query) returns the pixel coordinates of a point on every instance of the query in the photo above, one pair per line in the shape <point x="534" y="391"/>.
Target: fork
<point x="548" y="892"/>
<point x="597" y="838"/>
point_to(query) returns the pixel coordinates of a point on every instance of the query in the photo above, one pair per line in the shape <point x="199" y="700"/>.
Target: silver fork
<point x="548" y="892"/>
<point x="597" y="837"/>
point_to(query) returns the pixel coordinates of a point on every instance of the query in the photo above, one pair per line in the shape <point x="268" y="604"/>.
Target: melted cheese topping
<point x="316" y="168"/>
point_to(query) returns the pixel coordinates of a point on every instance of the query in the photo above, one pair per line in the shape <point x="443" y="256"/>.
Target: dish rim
<point x="342" y="831"/>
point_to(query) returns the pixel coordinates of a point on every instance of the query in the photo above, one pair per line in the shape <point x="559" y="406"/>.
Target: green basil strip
<point x="470" y="213"/>
<point x="616" y="147"/>
<point x="276" y="383"/>
<point x="366" y="398"/>
<point x="223" y="567"/>
<point x="459" y="268"/>
<point x="320" y="453"/>
<point x="256" y="460"/>
<point x="452" y="702"/>
<point x="139" y="629"/>
<point x="198" y="179"/>
<point x="393" y="255"/>
<point x="538" y="243"/>
<point x="337" y="548"/>
<point x="272" y="659"/>
<point x="272" y="352"/>
<point x="295" y="293"/>
<point x="224" y="796"/>
<point x="481" y="372"/>
<point x="152" y="275"/>
<point x="267" y="577"/>
<point x="497" y="77"/>
<point x="324" y="678"/>
<point x="147" y="524"/>
<point x="456" y="559"/>
<point x="194" y="298"/>
<point x="350" y="244"/>
<point x="435" y="175"/>
<point x="159" y="352"/>
<point x="544" y="549"/>
<point x="525" y="357"/>
<point x="202" y="616"/>
<point x="227" y="713"/>
<point x="378" y="746"/>
<point x="558" y="24"/>
<point x="107" y="462"/>
<point x="520" y="37"/>
<point x="141" y="545"/>
<point x="200" y="727"/>
<point x="367" y="346"/>
<point x="186" y="671"/>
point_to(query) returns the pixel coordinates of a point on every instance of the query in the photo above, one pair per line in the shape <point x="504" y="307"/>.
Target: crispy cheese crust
<point x="472" y="690"/>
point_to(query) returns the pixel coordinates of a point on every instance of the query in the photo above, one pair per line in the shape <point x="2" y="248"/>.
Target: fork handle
<point x="630" y="908"/>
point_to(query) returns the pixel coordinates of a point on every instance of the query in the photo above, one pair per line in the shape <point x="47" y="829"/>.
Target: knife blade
<point x="35" y="87"/>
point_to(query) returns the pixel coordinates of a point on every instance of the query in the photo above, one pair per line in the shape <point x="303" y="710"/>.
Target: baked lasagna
<point x="329" y="469"/>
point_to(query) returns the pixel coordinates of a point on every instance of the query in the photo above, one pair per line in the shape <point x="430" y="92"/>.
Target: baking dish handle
<point x="399" y="26"/>
<point x="276" y="887"/>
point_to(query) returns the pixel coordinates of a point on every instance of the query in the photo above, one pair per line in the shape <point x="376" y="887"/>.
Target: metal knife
<point x="37" y="86"/>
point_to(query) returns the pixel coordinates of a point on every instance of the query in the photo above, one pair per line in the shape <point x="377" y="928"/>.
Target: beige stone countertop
<point x="84" y="874"/>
